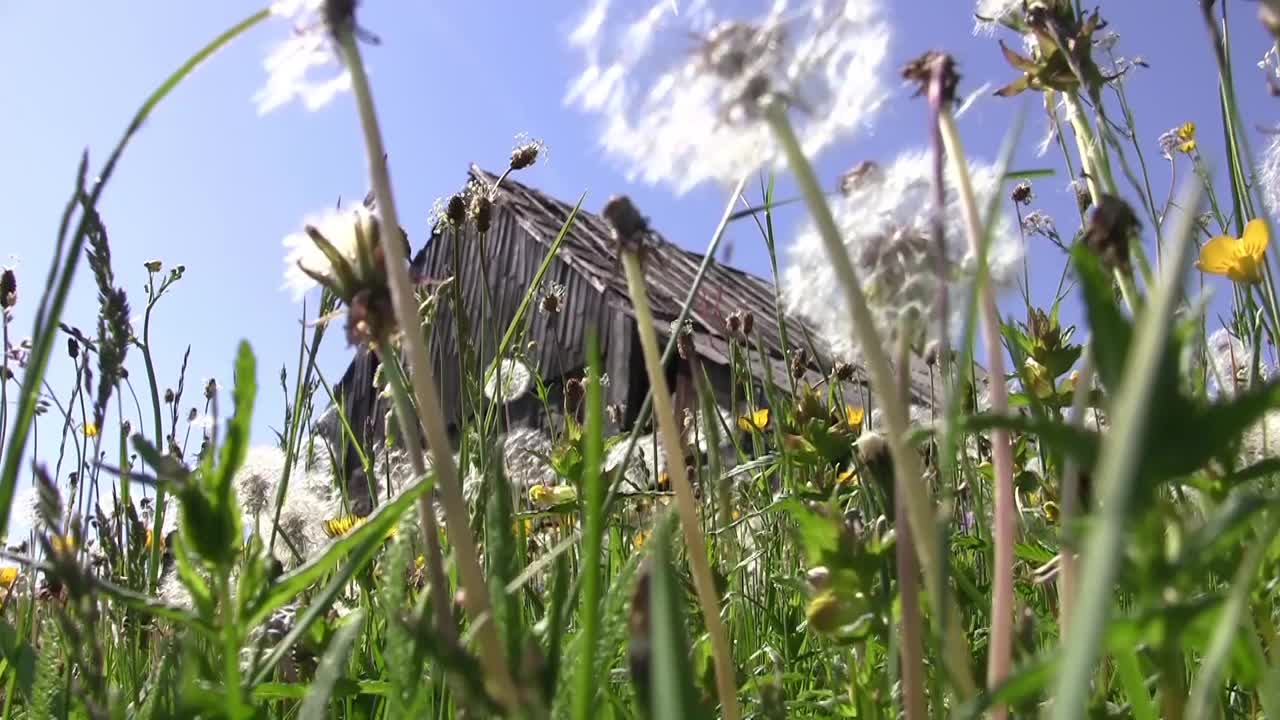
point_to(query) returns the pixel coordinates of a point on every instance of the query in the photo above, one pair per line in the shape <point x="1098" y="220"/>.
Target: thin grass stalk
<point x="594" y="526"/>
<point x="906" y="460"/>
<point x="1069" y="500"/>
<point x="1118" y="473"/>
<point x="1203" y="700"/>
<point x="686" y="309"/>
<point x="475" y="590"/>
<point x="686" y="505"/>
<point x="911" y="645"/>
<point x="439" y="583"/>
<point x="1000" y="652"/>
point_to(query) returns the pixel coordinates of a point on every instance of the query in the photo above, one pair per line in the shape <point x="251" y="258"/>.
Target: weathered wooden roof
<point x="669" y="273"/>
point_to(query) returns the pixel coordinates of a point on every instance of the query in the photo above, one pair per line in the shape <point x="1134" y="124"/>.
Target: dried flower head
<point x="307" y="51"/>
<point x="630" y="229"/>
<point x="864" y="172"/>
<point x="1022" y="193"/>
<point x="887" y="226"/>
<point x="935" y="76"/>
<point x="1110" y="233"/>
<point x="552" y="298"/>
<point x="8" y="289"/>
<point x="684" y="110"/>
<point x="527" y="151"/>
<point x="479" y="206"/>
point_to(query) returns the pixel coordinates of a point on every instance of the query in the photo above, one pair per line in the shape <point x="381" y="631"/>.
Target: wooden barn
<point x="525" y="224"/>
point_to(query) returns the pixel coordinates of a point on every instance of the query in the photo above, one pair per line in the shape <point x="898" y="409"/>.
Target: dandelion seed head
<point x="302" y="519"/>
<point x="886" y="224"/>
<point x="345" y="229"/>
<point x="1269" y="175"/>
<point x="1232" y="364"/>
<point x="990" y="14"/>
<point x="678" y="94"/>
<point x="258" y="477"/>
<point x="304" y="65"/>
<point x="523" y="453"/>
<point x="510" y="382"/>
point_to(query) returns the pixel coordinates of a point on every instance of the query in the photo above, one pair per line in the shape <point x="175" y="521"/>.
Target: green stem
<point x="475" y="590"/>
<point x="1118" y="470"/>
<point x="726" y="682"/>
<point x="906" y="460"/>
<point x="1000" y="652"/>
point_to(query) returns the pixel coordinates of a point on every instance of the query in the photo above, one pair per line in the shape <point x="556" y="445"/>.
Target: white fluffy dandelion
<point x="524" y="452"/>
<point x="345" y="229"/>
<point x="679" y="93"/>
<point x="257" y="479"/>
<point x="302" y="520"/>
<point x="885" y="220"/>
<point x="1232" y="363"/>
<point x="510" y="382"/>
<point x="303" y="66"/>
<point x="989" y="14"/>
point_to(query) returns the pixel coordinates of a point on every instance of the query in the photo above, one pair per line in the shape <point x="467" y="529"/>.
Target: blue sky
<point x="210" y="184"/>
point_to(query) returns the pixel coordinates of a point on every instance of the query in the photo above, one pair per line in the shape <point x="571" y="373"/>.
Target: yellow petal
<point x="1187" y="131"/>
<point x="853" y="415"/>
<point x="756" y="420"/>
<point x="1218" y="255"/>
<point x="1256" y="238"/>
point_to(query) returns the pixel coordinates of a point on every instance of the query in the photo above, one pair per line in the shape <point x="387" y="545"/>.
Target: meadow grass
<point x="1086" y="528"/>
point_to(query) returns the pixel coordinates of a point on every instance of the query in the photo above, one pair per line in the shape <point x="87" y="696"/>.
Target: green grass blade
<point x="593" y="540"/>
<point x="1118" y="472"/>
<point x="331" y="668"/>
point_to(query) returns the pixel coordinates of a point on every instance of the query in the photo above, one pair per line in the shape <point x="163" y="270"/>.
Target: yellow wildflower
<point x="91" y="429"/>
<point x="1051" y="511"/>
<point x="1241" y="259"/>
<point x="8" y="576"/>
<point x="1187" y="138"/>
<point x="853" y="415"/>
<point x="552" y="495"/>
<point x="63" y="543"/>
<point x="638" y="541"/>
<point x="420" y="562"/>
<point x="847" y="477"/>
<point x="341" y="525"/>
<point x="664" y="481"/>
<point x="754" y="420"/>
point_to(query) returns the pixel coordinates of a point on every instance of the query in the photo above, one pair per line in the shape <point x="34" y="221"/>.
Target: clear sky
<point x="210" y="184"/>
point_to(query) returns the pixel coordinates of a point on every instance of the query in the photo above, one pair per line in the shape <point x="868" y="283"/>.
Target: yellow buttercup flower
<point x="754" y="420"/>
<point x="853" y="415"/>
<point x="90" y="429"/>
<point x="8" y="576"/>
<point x="1187" y="138"/>
<point x="638" y="541"/>
<point x="1240" y="259"/>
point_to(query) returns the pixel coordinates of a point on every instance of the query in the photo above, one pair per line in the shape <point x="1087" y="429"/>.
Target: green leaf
<point x="20" y="656"/>
<point x="1025" y="683"/>
<point x="1079" y="444"/>
<point x="236" y="444"/>
<point x="360" y="542"/>
<point x="1112" y="332"/>
<point x="672" y="694"/>
<point x="1226" y="523"/>
<point x="501" y="558"/>
<point x="331" y="668"/>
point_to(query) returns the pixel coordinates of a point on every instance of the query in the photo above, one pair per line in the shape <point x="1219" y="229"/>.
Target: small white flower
<point x="678" y="94"/>
<point x="886" y="223"/>
<point x="304" y="65"/>
<point x="510" y="382"/>
<point x="345" y="229"/>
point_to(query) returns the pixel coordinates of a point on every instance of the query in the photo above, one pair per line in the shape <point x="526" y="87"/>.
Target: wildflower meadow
<point x="990" y="427"/>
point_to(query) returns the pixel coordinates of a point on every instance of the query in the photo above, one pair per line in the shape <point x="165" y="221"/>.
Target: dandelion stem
<point x="906" y="460"/>
<point x="911" y="646"/>
<point x="475" y="590"/>
<point x="726" y="681"/>
<point x="1000" y="652"/>
<point x="439" y="584"/>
